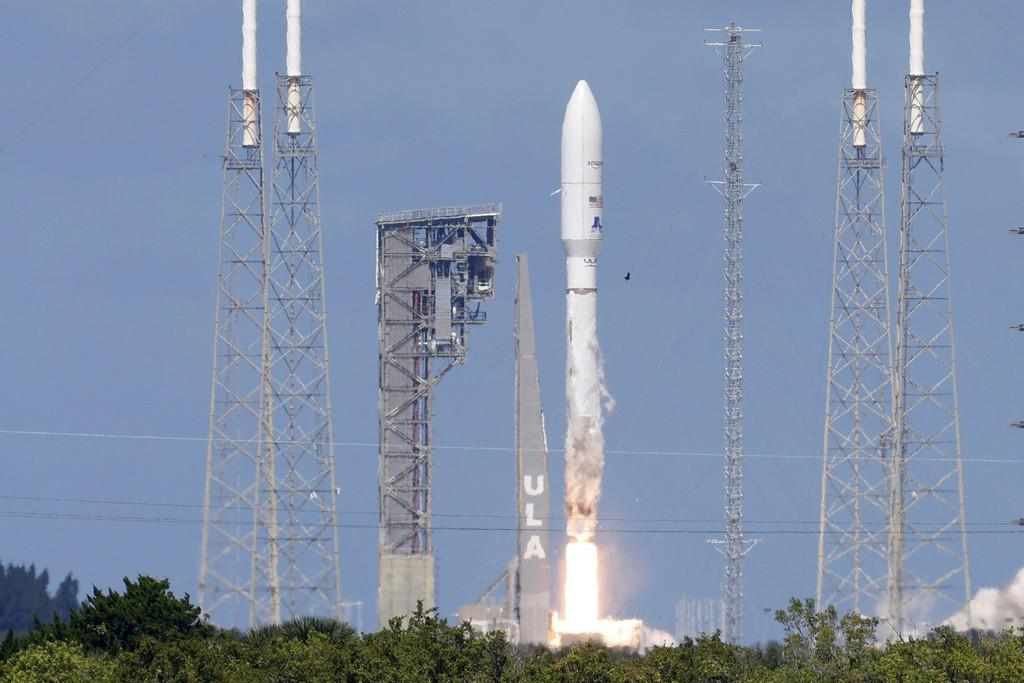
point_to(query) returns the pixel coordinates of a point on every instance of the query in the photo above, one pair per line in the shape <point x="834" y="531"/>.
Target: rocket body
<point x="582" y="235"/>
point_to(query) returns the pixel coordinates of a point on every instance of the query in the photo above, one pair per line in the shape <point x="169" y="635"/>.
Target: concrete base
<point x="404" y="580"/>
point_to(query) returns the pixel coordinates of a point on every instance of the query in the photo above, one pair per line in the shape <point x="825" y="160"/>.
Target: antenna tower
<point x="928" y="535"/>
<point x="856" y="472"/>
<point x="734" y="546"/>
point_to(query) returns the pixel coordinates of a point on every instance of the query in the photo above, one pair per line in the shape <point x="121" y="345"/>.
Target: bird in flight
<point x="628" y="276"/>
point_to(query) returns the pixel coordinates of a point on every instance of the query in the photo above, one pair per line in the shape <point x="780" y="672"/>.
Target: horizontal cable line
<point x="457" y="447"/>
<point x="15" y="514"/>
<point x="470" y="515"/>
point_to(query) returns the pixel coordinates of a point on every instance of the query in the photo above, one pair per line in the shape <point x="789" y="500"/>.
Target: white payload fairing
<point x="582" y="236"/>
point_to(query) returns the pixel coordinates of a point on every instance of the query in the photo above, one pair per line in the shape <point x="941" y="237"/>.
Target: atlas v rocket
<point x="582" y="228"/>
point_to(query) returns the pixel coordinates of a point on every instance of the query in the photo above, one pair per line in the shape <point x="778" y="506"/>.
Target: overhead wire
<point x="94" y="517"/>
<point x="472" y="515"/>
<point x="461" y="447"/>
<point x="86" y="76"/>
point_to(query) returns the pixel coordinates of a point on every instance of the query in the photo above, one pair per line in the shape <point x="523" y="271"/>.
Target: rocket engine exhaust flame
<point x="581" y="588"/>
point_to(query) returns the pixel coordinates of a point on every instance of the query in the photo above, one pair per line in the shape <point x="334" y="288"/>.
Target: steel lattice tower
<point x="856" y="473"/>
<point x="928" y="537"/>
<point x="434" y="268"/>
<point x="238" y="572"/>
<point x="734" y="546"/>
<point x="297" y="426"/>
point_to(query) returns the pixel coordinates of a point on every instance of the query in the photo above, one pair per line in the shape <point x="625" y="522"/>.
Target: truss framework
<point x="433" y="265"/>
<point x="297" y="415"/>
<point x="856" y="474"/>
<point x="238" y="570"/>
<point x="928" y="535"/>
<point x="270" y="532"/>
<point x="733" y="190"/>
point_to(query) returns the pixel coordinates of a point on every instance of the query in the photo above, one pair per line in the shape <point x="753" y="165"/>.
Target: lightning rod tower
<point x="856" y="472"/>
<point x="238" y="581"/>
<point x="928" y="534"/>
<point x="298" y="428"/>
<point x="733" y="190"/>
<point x="270" y="534"/>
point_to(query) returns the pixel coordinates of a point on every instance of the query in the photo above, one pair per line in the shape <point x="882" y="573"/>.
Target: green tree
<point x="218" y="657"/>
<point x="822" y="646"/>
<point x="56" y="662"/>
<point x="25" y="597"/>
<point x="426" y="648"/>
<point x="113" y="622"/>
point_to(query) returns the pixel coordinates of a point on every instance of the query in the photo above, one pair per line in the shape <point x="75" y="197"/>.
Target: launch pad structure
<point x="434" y="269"/>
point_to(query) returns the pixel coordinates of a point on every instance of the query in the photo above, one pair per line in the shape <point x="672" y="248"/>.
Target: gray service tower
<point x="434" y="267"/>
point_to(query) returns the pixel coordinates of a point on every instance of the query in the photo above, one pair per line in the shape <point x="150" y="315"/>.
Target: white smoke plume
<point x="993" y="609"/>
<point x="587" y="402"/>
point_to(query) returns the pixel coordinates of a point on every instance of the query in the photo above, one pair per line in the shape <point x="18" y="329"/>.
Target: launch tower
<point x="434" y="268"/>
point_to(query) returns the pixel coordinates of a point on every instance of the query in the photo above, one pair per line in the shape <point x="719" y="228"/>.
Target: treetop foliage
<point x="25" y="596"/>
<point x="147" y="634"/>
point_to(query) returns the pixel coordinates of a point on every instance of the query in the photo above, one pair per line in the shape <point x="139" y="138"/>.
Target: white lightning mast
<point x="928" y="534"/>
<point x="852" y="543"/>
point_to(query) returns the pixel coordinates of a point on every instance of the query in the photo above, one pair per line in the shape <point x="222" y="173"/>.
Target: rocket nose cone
<point x="582" y="104"/>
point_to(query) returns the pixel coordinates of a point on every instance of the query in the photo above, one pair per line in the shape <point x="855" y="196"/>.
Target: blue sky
<point x="111" y="196"/>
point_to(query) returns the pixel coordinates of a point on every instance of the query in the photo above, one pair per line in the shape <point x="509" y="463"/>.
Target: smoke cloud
<point x="993" y="608"/>
<point x="587" y="401"/>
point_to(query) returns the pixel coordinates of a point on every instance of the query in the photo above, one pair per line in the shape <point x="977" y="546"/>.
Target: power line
<point x="86" y="76"/>
<point x="20" y="514"/>
<point x="466" y="447"/>
<point x="471" y="515"/>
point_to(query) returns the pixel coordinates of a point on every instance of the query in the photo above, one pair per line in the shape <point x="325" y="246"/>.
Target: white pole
<point x="250" y="136"/>
<point x="860" y="45"/>
<point x="294" y="37"/>
<point x="860" y="73"/>
<point x="294" y="66"/>
<point x="917" y="66"/>
<point x="917" y="37"/>
<point x="249" y="45"/>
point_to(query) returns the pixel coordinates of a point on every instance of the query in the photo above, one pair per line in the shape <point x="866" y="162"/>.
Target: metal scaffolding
<point x="928" y="535"/>
<point x="434" y="268"/>
<point x="856" y="472"/>
<point x="238" y="569"/>
<point x="734" y="546"/>
<point x="297" y="412"/>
